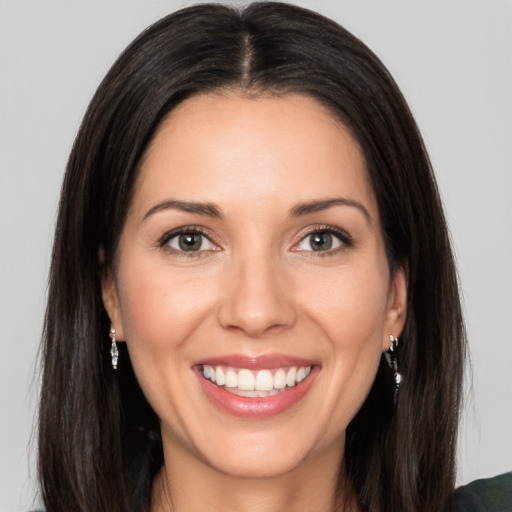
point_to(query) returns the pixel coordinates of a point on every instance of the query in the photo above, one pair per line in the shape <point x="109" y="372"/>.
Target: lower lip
<point x="252" y="407"/>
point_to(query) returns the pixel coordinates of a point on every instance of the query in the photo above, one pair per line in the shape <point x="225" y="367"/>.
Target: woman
<point x="249" y="213"/>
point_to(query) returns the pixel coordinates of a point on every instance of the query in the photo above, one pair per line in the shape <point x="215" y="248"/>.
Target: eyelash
<point x="345" y="239"/>
<point x="341" y="235"/>
<point x="187" y="230"/>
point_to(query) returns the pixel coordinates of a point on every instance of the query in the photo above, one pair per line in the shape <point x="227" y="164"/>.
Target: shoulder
<point x="486" y="495"/>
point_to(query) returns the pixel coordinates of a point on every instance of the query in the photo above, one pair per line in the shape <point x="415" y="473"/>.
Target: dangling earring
<point x="392" y="360"/>
<point x="113" y="350"/>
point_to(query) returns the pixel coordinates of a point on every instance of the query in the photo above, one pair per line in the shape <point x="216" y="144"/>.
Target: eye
<point x="322" y="240"/>
<point x="189" y="241"/>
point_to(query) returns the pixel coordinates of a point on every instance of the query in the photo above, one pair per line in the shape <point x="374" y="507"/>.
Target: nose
<point x="257" y="297"/>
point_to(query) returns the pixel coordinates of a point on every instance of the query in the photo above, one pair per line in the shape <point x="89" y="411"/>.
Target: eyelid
<point x="163" y="241"/>
<point x="342" y="235"/>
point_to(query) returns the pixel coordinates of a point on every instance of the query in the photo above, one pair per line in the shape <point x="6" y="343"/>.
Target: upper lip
<point x="256" y="362"/>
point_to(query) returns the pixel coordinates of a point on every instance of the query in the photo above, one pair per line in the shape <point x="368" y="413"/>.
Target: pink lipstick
<point x="256" y="386"/>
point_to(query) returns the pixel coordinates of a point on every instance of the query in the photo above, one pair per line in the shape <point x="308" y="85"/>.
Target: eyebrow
<point x="207" y="209"/>
<point x="211" y="210"/>
<point x="317" y="206"/>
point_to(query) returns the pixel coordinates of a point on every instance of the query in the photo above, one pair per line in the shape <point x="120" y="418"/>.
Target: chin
<point x="263" y="454"/>
<point x="257" y="467"/>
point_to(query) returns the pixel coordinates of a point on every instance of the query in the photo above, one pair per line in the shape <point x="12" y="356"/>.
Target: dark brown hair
<point x="99" y="441"/>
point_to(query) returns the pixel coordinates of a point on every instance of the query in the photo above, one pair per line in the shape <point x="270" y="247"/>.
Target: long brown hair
<point x="99" y="440"/>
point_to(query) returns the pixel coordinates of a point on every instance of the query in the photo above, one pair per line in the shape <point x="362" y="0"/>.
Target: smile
<point x="255" y="384"/>
<point x="256" y="387"/>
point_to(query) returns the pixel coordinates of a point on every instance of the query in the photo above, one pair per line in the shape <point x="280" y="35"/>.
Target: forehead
<point x="232" y="149"/>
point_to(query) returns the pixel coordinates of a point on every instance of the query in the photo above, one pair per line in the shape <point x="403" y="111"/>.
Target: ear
<point x="396" y="310"/>
<point x="111" y="302"/>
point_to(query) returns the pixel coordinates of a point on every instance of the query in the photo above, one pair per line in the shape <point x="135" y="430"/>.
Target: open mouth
<point x="255" y="383"/>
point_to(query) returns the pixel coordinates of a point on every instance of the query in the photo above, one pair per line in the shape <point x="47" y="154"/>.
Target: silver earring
<point x="113" y="350"/>
<point x="392" y="360"/>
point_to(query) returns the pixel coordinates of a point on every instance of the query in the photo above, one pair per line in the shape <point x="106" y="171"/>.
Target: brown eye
<point x="190" y="241"/>
<point x="323" y="240"/>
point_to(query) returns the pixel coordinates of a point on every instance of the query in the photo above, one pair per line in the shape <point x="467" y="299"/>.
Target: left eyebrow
<point x="207" y="209"/>
<point x="318" y="206"/>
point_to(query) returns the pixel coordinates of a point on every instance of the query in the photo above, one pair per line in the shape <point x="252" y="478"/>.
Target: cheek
<point x="350" y="305"/>
<point x="350" y="308"/>
<point x="160" y="309"/>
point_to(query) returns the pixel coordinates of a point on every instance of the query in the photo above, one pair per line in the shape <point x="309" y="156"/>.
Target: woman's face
<point x="252" y="253"/>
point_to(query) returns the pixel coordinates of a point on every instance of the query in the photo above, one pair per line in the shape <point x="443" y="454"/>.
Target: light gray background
<point x="453" y="62"/>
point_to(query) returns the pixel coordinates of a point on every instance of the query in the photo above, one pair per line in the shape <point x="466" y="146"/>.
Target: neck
<point x="186" y="483"/>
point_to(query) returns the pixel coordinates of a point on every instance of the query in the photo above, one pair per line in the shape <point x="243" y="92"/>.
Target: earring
<point x="391" y="358"/>
<point x="113" y="350"/>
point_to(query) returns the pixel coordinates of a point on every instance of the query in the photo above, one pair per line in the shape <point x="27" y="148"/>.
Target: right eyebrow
<point x="208" y="209"/>
<point x="317" y="206"/>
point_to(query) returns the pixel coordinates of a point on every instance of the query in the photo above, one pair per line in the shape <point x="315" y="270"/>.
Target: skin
<point x="256" y="287"/>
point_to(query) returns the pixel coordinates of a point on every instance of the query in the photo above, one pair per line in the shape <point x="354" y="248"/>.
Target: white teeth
<point x="280" y="379"/>
<point x="207" y="371"/>
<point x="264" y="381"/>
<point x="245" y="380"/>
<point x="301" y="375"/>
<point x="290" y="377"/>
<point x="256" y="383"/>
<point x="253" y="394"/>
<point x="220" y="378"/>
<point x="231" y="379"/>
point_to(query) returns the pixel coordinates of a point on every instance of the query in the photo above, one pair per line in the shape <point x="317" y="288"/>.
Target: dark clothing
<point x="486" y="495"/>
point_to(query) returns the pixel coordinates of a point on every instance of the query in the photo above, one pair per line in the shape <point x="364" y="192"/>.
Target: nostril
<point x="256" y="298"/>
